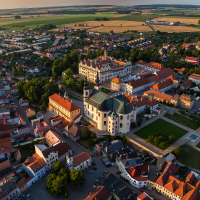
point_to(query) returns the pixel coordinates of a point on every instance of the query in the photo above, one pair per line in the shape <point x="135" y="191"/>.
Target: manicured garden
<point x="183" y="120"/>
<point x="190" y="157"/>
<point x="161" y="133"/>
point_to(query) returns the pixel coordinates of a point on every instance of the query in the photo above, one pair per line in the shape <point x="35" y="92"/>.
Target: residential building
<point x="30" y="112"/>
<point x="35" y="167"/>
<point x="195" y="78"/>
<point x="180" y="71"/>
<point x="192" y="60"/>
<point x="107" y="68"/>
<point x="108" y="113"/>
<point x="64" y="108"/>
<point x="23" y="102"/>
<point x="82" y="161"/>
<point x="186" y="101"/>
<point x="9" y="191"/>
<point x="99" y="147"/>
<point x="5" y="168"/>
<point x="2" y="91"/>
<point x="163" y="86"/>
<point x="74" y="132"/>
<point x="115" y="84"/>
<point x="144" y="196"/>
<point x="22" y="185"/>
<point x="100" y="192"/>
<point x="41" y="127"/>
<point x="13" y="90"/>
<point x="118" y="189"/>
<point x="152" y="66"/>
<point x="52" y="138"/>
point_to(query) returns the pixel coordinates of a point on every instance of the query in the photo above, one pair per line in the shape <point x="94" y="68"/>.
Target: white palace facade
<point x="107" y="68"/>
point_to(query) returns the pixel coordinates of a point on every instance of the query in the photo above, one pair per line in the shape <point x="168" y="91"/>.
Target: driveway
<point x="16" y="101"/>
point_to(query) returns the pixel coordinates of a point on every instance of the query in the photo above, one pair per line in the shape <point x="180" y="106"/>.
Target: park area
<point x="190" y="157"/>
<point x="161" y="133"/>
<point x="183" y="120"/>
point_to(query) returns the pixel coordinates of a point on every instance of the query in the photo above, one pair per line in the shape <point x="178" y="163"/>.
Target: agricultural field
<point x="181" y="20"/>
<point x="176" y="29"/>
<point x="117" y="26"/>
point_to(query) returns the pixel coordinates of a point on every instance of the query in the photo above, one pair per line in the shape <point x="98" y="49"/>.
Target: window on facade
<point x="104" y="122"/>
<point x="96" y="111"/>
<point x="121" y="117"/>
<point x="128" y="117"/>
<point x="88" y="105"/>
<point x="92" y="115"/>
<point x="116" y="122"/>
<point x="109" y="122"/>
<point x="99" y="114"/>
<point x="120" y="125"/>
<point x="104" y="114"/>
<point x="88" y="113"/>
<point x="92" y="108"/>
<point x="115" y="126"/>
<point x="96" y="118"/>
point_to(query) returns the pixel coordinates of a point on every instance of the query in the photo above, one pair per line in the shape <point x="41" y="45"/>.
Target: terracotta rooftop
<point x="195" y="76"/>
<point x="21" y="183"/>
<point x="64" y="103"/>
<point x="163" y="84"/>
<point x="117" y="80"/>
<point x="80" y="158"/>
<point x="53" y="137"/>
<point x="160" y="95"/>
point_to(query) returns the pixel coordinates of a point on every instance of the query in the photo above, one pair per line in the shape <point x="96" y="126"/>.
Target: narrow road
<point x="16" y="101"/>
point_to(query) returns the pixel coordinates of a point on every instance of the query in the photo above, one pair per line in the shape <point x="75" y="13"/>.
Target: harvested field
<point x="177" y="29"/>
<point x="181" y="20"/>
<point x="116" y="26"/>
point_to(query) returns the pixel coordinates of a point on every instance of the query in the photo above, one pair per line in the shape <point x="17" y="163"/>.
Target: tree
<point x="58" y="166"/>
<point x="145" y="153"/>
<point x="177" y="151"/>
<point x="64" y="173"/>
<point x="19" y="68"/>
<point x="14" y="71"/>
<point x="156" y="140"/>
<point x="76" y="177"/>
<point x="93" y="135"/>
<point x="139" y="123"/>
<point x="81" y="85"/>
<point x="17" y="17"/>
<point x="171" y="138"/>
<point x="133" y="125"/>
<point x="150" y="138"/>
<point x="68" y="74"/>
<point x="148" y="110"/>
<point x="85" y="133"/>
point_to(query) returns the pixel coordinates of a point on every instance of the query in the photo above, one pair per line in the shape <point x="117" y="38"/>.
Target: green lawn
<point x="105" y="90"/>
<point x="163" y="127"/>
<point x="88" y="144"/>
<point x="198" y="145"/>
<point x="190" y="157"/>
<point x="183" y="120"/>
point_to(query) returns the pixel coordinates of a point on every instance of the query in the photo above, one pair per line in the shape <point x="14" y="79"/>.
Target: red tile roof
<point x="117" y="80"/>
<point x="159" y="95"/>
<point x="143" y="196"/>
<point x="163" y="84"/>
<point x="195" y="76"/>
<point x="53" y="137"/>
<point x="21" y="183"/>
<point x="64" y="103"/>
<point x="80" y="158"/>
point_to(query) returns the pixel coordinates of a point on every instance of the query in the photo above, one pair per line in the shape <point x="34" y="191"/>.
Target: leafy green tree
<point x="93" y="135"/>
<point x="14" y="71"/>
<point x="58" y="166"/>
<point x="139" y="123"/>
<point x="81" y="85"/>
<point x="148" y="110"/>
<point x="85" y="133"/>
<point x="156" y="140"/>
<point x="145" y="153"/>
<point x="64" y="173"/>
<point x="19" y="68"/>
<point x="76" y="177"/>
<point x="177" y="151"/>
<point x="150" y="138"/>
<point x="133" y="125"/>
<point x="171" y="138"/>
<point x="68" y="74"/>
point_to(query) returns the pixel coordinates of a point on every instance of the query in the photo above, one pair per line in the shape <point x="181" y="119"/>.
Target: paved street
<point x="16" y="101"/>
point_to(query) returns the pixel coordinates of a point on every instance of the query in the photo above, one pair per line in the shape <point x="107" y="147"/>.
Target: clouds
<point x="46" y="3"/>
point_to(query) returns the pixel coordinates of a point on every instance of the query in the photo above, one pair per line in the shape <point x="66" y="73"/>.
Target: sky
<point x="7" y="4"/>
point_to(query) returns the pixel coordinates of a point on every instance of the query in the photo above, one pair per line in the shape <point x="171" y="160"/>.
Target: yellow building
<point x="186" y="101"/>
<point x="64" y="108"/>
<point x="22" y="185"/>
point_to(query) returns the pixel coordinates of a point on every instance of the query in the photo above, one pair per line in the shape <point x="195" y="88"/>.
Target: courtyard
<point x="161" y="133"/>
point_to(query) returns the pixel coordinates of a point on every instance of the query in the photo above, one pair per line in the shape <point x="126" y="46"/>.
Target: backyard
<point x="183" y="120"/>
<point x="88" y="144"/>
<point x="161" y="133"/>
<point x="190" y="157"/>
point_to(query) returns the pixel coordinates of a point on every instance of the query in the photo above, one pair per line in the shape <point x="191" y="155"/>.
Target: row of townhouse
<point x="54" y="49"/>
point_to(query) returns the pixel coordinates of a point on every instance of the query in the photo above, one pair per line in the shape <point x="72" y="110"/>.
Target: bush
<point x="93" y="135"/>
<point x="85" y="133"/>
<point x="177" y="151"/>
<point x="139" y="123"/>
<point x="133" y="125"/>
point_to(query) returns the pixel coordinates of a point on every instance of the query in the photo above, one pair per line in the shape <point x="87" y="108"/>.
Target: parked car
<point x="94" y="168"/>
<point x="84" y="179"/>
<point x="28" y="195"/>
<point x="93" y="163"/>
<point x="141" y="190"/>
<point x="118" y="172"/>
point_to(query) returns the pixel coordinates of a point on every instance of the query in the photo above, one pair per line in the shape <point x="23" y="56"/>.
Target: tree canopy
<point x="76" y="177"/>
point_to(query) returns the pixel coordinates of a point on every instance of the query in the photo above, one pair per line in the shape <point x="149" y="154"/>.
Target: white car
<point x="28" y="195"/>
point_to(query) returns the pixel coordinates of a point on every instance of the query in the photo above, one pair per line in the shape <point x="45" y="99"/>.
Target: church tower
<point x="97" y="85"/>
<point x="66" y="95"/>
<point x="86" y="90"/>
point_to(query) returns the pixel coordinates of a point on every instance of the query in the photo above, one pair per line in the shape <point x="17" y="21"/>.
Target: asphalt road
<point x="16" y="101"/>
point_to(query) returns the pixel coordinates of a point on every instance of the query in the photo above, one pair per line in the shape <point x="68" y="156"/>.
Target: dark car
<point x="93" y="163"/>
<point x="141" y="190"/>
<point x="94" y="168"/>
<point x="118" y="172"/>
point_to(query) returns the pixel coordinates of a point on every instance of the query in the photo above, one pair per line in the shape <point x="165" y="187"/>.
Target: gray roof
<point x="104" y="102"/>
<point x="153" y="173"/>
<point x="133" y="162"/>
<point x="117" y="146"/>
<point x="114" y="185"/>
<point x="8" y="186"/>
<point x="47" y="151"/>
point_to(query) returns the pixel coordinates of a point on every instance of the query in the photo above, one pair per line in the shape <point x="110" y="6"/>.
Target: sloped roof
<point x="53" y="137"/>
<point x="159" y="95"/>
<point x="62" y="148"/>
<point x="117" y="80"/>
<point x="80" y="158"/>
<point x="64" y="103"/>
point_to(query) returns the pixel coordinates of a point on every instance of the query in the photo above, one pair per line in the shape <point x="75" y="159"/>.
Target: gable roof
<point x="53" y="137"/>
<point x="80" y="158"/>
<point x="62" y="148"/>
<point x="64" y="103"/>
